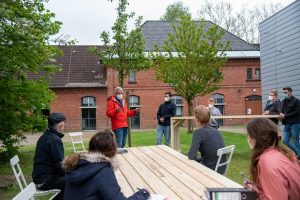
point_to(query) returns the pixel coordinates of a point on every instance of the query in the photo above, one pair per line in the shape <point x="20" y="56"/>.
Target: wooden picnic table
<point x="177" y="121"/>
<point x="164" y="171"/>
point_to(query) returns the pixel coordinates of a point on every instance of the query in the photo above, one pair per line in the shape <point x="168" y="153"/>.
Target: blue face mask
<point x="285" y="96"/>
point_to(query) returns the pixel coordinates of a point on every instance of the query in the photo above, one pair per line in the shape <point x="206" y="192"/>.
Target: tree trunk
<point x="190" y="113"/>
<point x="128" y="120"/>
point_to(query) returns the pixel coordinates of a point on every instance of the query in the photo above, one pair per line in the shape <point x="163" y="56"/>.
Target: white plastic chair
<point x="76" y="138"/>
<point x="27" y="193"/>
<point x="224" y="151"/>
<point x="14" y="163"/>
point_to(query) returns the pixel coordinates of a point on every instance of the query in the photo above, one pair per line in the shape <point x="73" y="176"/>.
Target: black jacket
<point x="274" y="108"/>
<point x="94" y="178"/>
<point x="166" y="110"/>
<point x="291" y="110"/>
<point x="49" y="154"/>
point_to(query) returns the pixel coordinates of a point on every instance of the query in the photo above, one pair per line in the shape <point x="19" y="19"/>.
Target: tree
<point x="25" y="28"/>
<point x="243" y="23"/>
<point x="126" y="53"/>
<point x="175" y="11"/>
<point x="195" y="67"/>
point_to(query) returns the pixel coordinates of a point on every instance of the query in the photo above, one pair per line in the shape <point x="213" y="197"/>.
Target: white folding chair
<point x="14" y="163"/>
<point x="76" y="139"/>
<point x="224" y="151"/>
<point x="27" y="193"/>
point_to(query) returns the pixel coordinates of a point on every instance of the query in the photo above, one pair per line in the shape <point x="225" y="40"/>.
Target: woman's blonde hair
<point x="202" y="114"/>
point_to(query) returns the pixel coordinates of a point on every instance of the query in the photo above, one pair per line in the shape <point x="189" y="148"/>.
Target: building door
<point x="134" y="102"/>
<point x="88" y="113"/>
<point x="219" y="103"/>
<point x="253" y="105"/>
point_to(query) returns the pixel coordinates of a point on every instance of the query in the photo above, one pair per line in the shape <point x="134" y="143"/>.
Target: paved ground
<point x="31" y="139"/>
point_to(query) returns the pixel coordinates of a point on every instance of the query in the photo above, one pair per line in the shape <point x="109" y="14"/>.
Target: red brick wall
<point x="68" y="101"/>
<point x="235" y="88"/>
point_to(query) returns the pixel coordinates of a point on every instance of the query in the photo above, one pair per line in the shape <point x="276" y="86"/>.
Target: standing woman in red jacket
<point x="117" y="111"/>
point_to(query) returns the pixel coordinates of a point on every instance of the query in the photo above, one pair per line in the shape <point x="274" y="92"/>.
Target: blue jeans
<point x="121" y="136"/>
<point x="160" y="131"/>
<point x="291" y="137"/>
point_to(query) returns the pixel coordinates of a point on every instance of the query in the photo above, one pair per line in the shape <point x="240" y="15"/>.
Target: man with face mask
<point x="118" y="112"/>
<point x="164" y="113"/>
<point x="213" y="112"/>
<point x="273" y="105"/>
<point x="290" y="116"/>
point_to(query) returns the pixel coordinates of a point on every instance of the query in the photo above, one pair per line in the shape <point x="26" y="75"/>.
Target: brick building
<point x="84" y="84"/>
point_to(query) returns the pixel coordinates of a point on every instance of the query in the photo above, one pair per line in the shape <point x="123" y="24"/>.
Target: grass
<point x="240" y="161"/>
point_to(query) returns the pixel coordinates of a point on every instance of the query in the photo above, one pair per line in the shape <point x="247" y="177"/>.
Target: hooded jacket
<point x="94" y="178"/>
<point x="274" y="108"/>
<point x="118" y="119"/>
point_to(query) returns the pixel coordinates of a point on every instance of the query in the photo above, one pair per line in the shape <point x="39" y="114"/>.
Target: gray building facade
<point x="280" y="51"/>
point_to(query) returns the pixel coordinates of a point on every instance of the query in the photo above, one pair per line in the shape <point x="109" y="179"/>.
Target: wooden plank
<point x="153" y="181"/>
<point x="131" y="175"/>
<point x="210" y="174"/>
<point x="179" y="181"/>
<point x="167" y="172"/>
<point x="125" y="187"/>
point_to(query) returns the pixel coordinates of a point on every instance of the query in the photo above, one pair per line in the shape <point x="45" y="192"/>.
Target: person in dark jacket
<point x="207" y="140"/>
<point x="273" y="105"/>
<point x="290" y="117"/>
<point x="164" y="113"/>
<point x="90" y="176"/>
<point x="47" y="170"/>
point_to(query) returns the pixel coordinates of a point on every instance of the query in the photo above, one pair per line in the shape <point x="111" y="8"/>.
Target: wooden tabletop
<point x="162" y="170"/>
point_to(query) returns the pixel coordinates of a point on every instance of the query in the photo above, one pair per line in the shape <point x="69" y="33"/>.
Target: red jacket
<point x="118" y="119"/>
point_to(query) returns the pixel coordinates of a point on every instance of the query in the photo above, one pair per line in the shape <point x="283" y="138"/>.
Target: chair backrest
<point x="224" y="151"/>
<point x="76" y="138"/>
<point x="14" y="163"/>
<point x="27" y="193"/>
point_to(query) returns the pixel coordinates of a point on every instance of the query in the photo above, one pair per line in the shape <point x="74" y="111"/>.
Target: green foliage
<point x="193" y="60"/>
<point x="175" y="11"/>
<point x="126" y="53"/>
<point x="25" y="29"/>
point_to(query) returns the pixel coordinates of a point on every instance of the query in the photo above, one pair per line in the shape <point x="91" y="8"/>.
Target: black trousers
<point x="57" y="182"/>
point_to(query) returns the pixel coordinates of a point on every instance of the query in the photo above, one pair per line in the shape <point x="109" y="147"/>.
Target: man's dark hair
<point x="288" y="89"/>
<point x="169" y="93"/>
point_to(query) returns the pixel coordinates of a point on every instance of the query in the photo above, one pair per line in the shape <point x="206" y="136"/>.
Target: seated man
<point x="47" y="170"/>
<point x="207" y="140"/>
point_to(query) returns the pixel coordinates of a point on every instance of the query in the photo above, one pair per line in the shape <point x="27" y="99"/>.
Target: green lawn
<point x="240" y="161"/>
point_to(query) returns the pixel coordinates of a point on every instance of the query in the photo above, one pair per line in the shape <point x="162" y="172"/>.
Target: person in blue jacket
<point x="91" y="175"/>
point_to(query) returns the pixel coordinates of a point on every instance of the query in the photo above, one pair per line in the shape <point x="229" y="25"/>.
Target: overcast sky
<point x="84" y="20"/>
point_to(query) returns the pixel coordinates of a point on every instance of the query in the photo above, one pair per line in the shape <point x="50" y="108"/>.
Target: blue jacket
<point x="166" y="110"/>
<point x="94" y="178"/>
<point x="48" y="157"/>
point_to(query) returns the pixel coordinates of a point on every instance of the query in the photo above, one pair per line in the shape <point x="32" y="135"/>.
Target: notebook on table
<point x="158" y="197"/>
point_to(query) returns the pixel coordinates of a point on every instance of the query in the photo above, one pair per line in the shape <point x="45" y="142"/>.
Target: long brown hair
<point x="265" y="134"/>
<point x="102" y="142"/>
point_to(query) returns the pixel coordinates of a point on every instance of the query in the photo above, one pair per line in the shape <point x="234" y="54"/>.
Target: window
<point x="177" y="100"/>
<point x="134" y="102"/>
<point x="249" y="73"/>
<point x="88" y="102"/>
<point x="219" y="99"/>
<point x="257" y="73"/>
<point x="88" y="113"/>
<point x="132" y="77"/>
